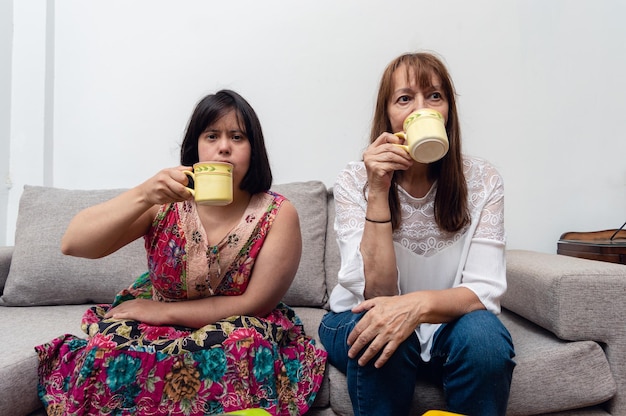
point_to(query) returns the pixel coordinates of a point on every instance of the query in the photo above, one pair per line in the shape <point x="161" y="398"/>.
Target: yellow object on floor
<point x="261" y="412"/>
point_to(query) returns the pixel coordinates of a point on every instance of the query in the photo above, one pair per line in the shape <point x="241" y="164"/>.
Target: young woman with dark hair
<point x="204" y="330"/>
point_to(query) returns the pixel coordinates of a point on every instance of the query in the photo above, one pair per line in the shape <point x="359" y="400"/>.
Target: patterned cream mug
<point x="212" y="183"/>
<point x="425" y="135"/>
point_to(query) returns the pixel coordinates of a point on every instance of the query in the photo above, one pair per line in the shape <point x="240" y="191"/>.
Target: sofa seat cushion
<point x="584" y="378"/>
<point x="18" y="359"/>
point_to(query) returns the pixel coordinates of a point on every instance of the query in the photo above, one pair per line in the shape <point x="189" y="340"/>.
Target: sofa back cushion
<point x="6" y="252"/>
<point x="310" y="200"/>
<point x="332" y="258"/>
<point x="41" y="275"/>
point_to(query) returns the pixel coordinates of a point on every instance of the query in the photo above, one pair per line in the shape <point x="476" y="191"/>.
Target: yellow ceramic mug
<point x="425" y="135"/>
<point x="213" y="183"/>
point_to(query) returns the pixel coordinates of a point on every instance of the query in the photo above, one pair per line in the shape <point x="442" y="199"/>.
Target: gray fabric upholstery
<point x="554" y="292"/>
<point x="309" y="285"/>
<point x="332" y="258"/>
<point x="23" y="328"/>
<point x="545" y="363"/>
<point x="565" y="315"/>
<point x="6" y="253"/>
<point x="41" y="275"/>
<point x="575" y="299"/>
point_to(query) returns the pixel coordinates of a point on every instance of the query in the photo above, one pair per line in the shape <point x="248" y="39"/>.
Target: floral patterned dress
<point x="126" y="367"/>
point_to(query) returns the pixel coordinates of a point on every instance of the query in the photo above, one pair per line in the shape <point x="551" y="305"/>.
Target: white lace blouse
<point x="427" y="258"/>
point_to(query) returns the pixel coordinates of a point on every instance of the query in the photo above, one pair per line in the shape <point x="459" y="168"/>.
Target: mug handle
<point x="403" y="146"/>
<point x="192" y="176"/>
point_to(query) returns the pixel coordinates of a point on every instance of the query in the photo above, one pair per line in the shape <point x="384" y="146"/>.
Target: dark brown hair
<point x="451" y="212"/>
<point x="209" y="110"/>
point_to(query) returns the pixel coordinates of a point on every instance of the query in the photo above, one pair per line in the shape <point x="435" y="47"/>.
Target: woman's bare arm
<point x="102" y="229"/>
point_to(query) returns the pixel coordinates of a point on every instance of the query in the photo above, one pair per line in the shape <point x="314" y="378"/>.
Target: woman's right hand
<point x="382" y="158"/>
<point x="168" y="185"/>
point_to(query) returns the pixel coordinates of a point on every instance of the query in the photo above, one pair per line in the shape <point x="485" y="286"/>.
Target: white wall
<point x="6" y="47"/>
<point x="541" y="90"/>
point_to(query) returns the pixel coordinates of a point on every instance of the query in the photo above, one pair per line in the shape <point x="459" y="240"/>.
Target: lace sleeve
<point x="487" y="194"/>
<point x="350" y="201"/>
<point x="484" y="271"/>
<point x="350" y="205"/>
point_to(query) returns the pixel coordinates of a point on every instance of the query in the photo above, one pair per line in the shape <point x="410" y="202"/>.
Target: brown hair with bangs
<point x="451" y="212"/>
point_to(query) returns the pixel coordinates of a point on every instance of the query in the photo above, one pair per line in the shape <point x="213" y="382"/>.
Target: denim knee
<point x="381" y="391"/>
<point x="333" y="332"/>
<point x="479" y="338"/>
<point x="475" y="359"/>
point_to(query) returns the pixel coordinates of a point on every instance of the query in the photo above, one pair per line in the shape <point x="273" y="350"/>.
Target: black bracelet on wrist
<point x="378" y="222"/>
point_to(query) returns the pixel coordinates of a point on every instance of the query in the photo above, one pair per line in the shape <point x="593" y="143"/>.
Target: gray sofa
<point x="566" y="315"/>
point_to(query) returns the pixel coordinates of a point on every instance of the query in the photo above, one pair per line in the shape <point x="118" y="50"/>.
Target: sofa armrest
<point x="6" y="253"/>
<point x="574" y="298"/>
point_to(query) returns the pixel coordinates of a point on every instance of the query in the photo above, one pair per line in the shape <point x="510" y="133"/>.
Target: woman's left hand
<point x="388" y="321"/>
<point x="143" y="310"/>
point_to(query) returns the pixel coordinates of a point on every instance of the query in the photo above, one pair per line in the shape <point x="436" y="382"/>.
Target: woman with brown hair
<point x="423" y="267"/>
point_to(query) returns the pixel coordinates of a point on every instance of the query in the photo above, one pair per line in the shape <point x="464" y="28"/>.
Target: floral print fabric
<point x="129" y="368"/>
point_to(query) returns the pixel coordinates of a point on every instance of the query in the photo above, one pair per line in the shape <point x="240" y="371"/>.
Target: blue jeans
<point x="471" y="357"/>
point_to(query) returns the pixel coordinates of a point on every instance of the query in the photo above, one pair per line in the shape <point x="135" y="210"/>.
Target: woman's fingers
<point x="388" y="322"/>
